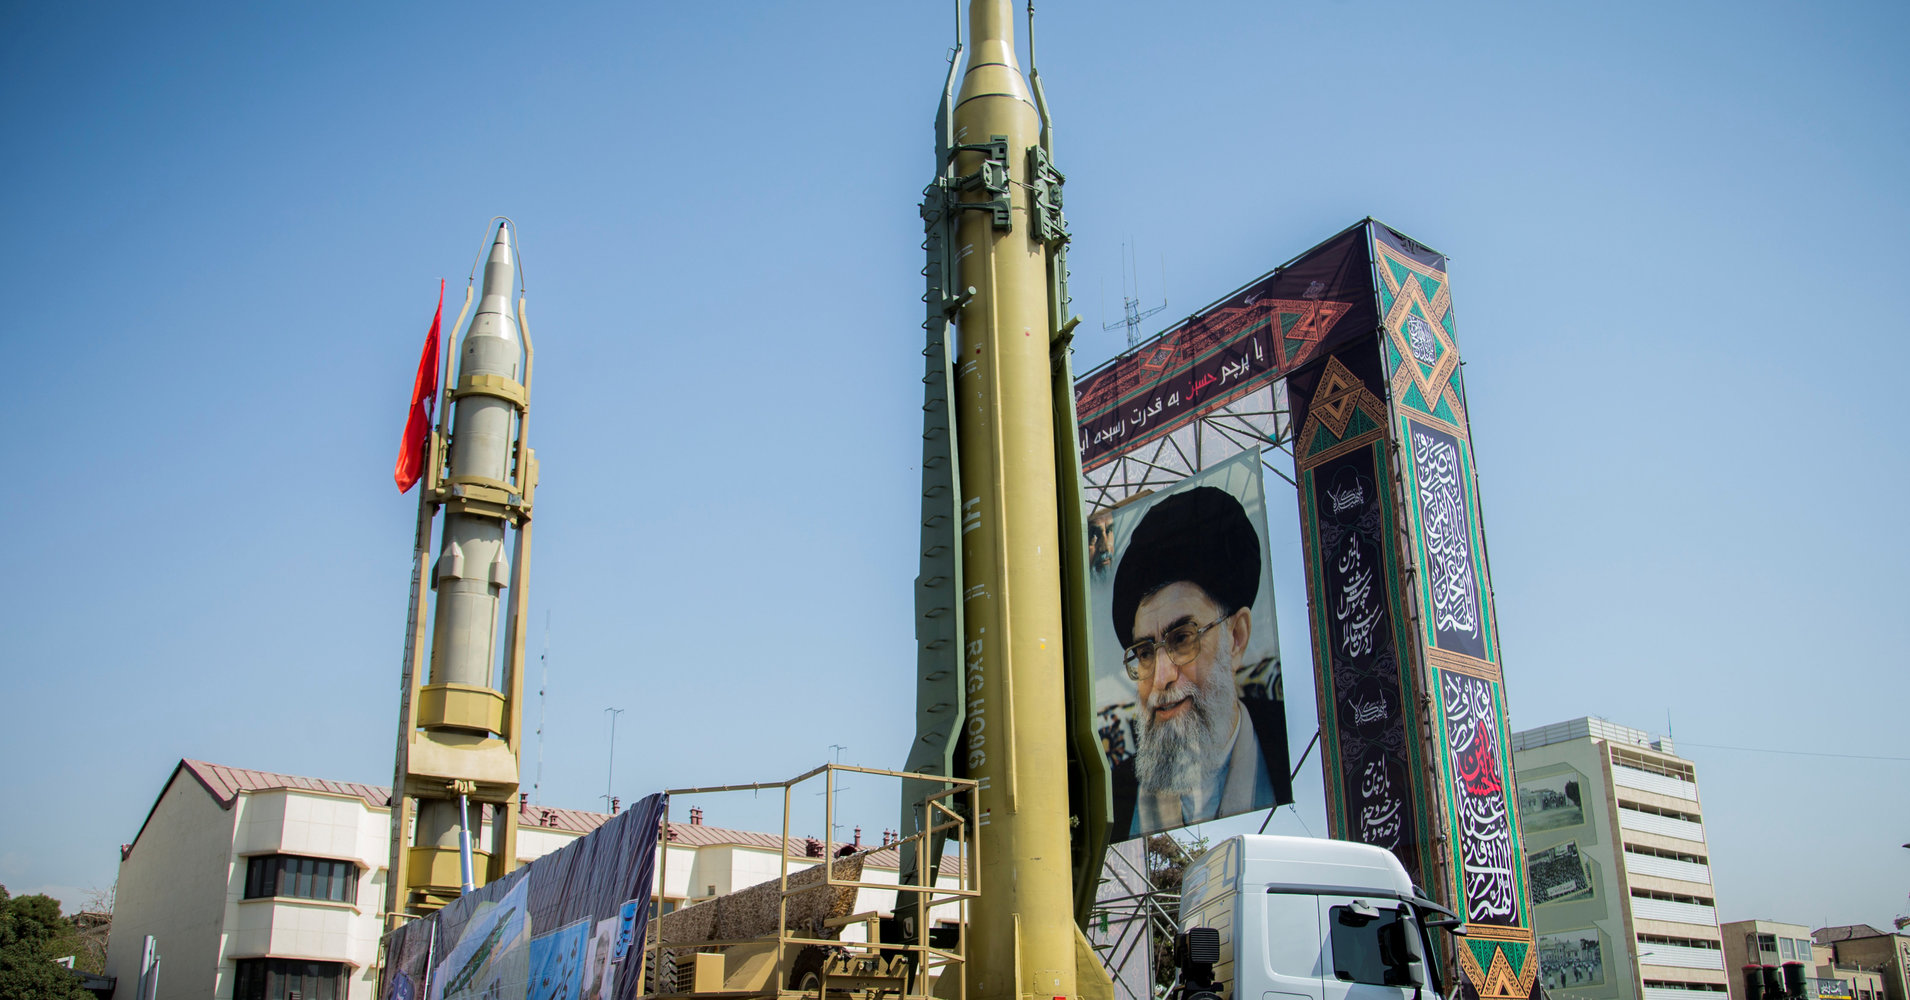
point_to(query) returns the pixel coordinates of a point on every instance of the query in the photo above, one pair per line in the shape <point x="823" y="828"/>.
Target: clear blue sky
<point x="1678" y="252"/>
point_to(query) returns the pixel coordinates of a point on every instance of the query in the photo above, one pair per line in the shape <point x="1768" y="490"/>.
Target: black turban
<point x="1202" y="537"/>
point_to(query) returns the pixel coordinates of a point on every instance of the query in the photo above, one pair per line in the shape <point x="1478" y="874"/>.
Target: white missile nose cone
<point x="503" y="234"/>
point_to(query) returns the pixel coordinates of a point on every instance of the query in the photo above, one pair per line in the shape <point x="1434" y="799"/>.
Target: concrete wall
<point x="173" y="886"/>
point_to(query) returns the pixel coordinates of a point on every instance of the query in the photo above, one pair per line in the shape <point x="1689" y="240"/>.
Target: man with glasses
<point x="1183" y="610"/>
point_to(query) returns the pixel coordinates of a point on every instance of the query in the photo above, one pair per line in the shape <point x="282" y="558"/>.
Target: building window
<point x="286" y="979"/>
<point x="1765" y="942"/>
<point x="1786" y="950"/>
<point x="301" y="878"/>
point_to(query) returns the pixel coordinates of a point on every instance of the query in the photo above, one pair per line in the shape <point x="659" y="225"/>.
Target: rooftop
<point x="1590" y="727"/>
<point x="225" y="783"/>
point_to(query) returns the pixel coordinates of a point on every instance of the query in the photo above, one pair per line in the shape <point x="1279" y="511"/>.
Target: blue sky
<point x="1677" y="250"/>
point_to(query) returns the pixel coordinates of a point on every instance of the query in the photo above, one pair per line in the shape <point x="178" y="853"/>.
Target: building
<point x="1865" y="948"/>
<point x="1617" y="865"/>
<point x="1765" y="948"/>
<point x="262" y="886"/>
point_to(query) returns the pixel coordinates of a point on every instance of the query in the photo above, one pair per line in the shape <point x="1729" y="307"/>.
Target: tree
<point x="1167" y="862"/>
<point x="32" y="935"/>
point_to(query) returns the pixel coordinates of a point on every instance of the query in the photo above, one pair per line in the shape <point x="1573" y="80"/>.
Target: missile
<point x="459" y="730"/>
<point x="1003" y="233"/>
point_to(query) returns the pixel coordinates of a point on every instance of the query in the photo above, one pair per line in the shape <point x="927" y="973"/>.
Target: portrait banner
<point x="1188" y="693"/>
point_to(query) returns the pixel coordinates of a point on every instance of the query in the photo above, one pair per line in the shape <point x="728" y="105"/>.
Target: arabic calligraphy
<point x="1357" y="611"/>
<point x="1373" y="764"/>
<point x="1484" y="823"/>
<point x="1381" y="818"/>
<point x="1419" y="336"/>
<point x="1448" y="541"/>
<point x="1172" y="400"/>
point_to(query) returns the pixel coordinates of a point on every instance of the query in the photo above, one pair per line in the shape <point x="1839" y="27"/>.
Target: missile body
<point x="1022" y="934"/>
<point x="458" y="732"/>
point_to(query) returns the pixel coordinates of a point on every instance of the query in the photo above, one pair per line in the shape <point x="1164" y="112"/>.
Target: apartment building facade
<point x="264" y="886"/>
<point x="1617" y="864"/>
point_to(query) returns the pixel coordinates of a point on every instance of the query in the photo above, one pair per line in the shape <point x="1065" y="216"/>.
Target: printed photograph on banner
<point x="491" y="957"/>
<point x="1571" y="958"/>
<point x="603" y="940"/>
<point x="1558" y="874"/>
<point x="557" y="963"/>
<point x="1186" y="657"/>
<point x="1550" y="803"/>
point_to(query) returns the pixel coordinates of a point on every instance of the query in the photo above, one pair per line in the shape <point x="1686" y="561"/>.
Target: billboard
<point x="1400" y="600"/>
<point x="563" y="927"/>
<point x="1243" y="342"/>
<point x="1187" y="685"/>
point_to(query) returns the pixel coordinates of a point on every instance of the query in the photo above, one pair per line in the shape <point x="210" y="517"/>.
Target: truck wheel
<point x="806" y="973"/>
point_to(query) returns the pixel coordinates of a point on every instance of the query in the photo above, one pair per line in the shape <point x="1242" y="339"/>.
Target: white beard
<point x="1180" y="755"/>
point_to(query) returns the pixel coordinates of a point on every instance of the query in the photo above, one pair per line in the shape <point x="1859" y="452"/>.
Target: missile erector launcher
<point x="460" y="726"/>
<point x="1001" y="600"/>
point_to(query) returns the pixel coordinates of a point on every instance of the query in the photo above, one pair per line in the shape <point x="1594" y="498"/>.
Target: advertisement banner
<point x="550" y="930"/>
<point x="1276" y="323"/>
<point x="1187" y="684"/>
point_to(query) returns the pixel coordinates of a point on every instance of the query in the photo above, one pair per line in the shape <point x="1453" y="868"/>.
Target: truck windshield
<point x="1370" y="945"/>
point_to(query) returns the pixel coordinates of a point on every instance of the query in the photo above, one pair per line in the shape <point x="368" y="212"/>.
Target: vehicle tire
<point x="805" y="973"/>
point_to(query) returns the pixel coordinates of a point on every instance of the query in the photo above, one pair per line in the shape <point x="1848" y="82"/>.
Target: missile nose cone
<point x="501" y="247"/>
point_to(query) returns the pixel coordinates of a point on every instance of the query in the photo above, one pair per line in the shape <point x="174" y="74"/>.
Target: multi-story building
<point x="1617" y="865"/>
<point x="1763" y="949"/>
<point x="1863" y="947"/>
<point x="261" y="886"/>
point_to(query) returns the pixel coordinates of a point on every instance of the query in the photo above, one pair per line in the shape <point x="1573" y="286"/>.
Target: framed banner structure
<point x="1348" y="356"/>
<point x="1413" y="727"/>
<point x="1210" y="386"/>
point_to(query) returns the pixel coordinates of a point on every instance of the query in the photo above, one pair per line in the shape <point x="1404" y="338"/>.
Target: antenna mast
<point x="1131" y="304"/>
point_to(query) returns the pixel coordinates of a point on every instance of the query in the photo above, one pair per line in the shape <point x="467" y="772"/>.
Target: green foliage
<point x="32" y="935"/>
<point x="1168" y="859"/>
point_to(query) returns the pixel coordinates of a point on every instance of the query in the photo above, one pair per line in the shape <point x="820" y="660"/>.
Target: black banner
<point x="1445" y="523"/>
<point x="1375" y="766"/>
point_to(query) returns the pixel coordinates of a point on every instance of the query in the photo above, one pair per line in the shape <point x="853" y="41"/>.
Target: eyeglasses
<point x="1181" y="641"/>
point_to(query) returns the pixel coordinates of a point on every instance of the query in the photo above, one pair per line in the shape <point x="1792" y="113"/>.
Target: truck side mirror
<point x="1400" y="951"/>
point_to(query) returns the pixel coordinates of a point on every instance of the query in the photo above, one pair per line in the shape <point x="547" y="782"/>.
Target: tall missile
<point x="459" y="731"/>
<point x="994" y="706"/>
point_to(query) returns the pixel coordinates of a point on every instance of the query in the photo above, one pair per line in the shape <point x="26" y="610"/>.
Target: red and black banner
<point x="1278" y="322"/>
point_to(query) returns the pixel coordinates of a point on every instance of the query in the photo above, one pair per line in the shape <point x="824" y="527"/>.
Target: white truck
<point x="1296" y="918"/>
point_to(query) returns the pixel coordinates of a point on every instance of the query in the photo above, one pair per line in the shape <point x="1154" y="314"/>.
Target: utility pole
<point x="610" y="767"/>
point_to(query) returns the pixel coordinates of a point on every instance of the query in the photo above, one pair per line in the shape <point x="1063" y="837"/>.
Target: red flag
<point x="424" y="397"/>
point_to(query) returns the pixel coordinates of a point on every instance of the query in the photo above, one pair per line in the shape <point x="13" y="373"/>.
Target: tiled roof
<point x="225" y="783"/>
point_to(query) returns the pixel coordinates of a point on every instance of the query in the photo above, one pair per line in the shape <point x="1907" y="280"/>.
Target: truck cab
<point x="1297" y="918"/>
